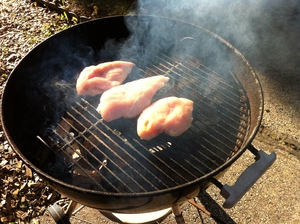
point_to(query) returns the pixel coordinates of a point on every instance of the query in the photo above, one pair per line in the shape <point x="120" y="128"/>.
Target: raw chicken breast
<point x="171" y="115"/>
<point x="95" y="80"/>
<point x="129" y="100"/>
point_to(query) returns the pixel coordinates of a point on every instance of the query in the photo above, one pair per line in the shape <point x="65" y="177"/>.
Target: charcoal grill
<point x="105" y="165"/>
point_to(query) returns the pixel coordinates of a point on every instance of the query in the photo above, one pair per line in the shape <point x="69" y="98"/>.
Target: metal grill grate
<point x="110" y="157"/>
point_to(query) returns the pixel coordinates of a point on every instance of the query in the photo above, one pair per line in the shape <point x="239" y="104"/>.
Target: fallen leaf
<point x="28" y="172"/>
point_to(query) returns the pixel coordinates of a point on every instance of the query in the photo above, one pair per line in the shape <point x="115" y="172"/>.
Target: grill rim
<point x="249" y="137"/>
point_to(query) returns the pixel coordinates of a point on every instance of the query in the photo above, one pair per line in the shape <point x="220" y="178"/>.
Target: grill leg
<point x="71" y="208"/>
<point x="178" y="214"/>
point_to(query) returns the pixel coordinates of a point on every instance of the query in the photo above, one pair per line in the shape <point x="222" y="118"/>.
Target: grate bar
<point x="220" y="125"/>
<point x="192" y="87"/>
<point x="153" y="165"/>
<point x="129" y="188"/>
<point x="111" y="150"/>
<point x="212" y="120"/>
<point x="203" y="71"/>
<point x="81" y="168"/>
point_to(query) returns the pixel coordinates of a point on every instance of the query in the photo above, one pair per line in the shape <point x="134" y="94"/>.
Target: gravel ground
<point x="23" y="25"/>
<point x="275" y="198"/>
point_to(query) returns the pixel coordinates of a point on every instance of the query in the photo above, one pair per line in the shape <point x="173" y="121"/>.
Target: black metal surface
<point x="46" y="123"/>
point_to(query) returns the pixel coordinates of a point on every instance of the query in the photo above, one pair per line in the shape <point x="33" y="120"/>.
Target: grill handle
<point x="234" y="193"/>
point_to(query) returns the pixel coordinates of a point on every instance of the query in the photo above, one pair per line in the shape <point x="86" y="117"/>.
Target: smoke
<point x="255" y="27"/>
<point x="260" y="29"/>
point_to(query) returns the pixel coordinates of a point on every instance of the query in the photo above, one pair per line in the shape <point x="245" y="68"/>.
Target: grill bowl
<point x="41" y="89"/>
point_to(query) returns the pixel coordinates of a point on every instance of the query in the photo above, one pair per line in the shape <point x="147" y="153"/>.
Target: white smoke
<point x="259" y="26"/>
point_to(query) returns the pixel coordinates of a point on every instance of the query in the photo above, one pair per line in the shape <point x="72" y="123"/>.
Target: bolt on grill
<point x="110" y="157"/>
